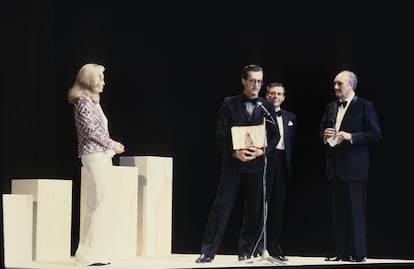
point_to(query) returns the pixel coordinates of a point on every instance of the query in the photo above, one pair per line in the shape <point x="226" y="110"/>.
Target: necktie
<point x="279" y="113"/>
<point x="340" y="103"/>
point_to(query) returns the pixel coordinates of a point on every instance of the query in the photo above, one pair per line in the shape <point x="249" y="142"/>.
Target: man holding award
<point x="245" y="128"/>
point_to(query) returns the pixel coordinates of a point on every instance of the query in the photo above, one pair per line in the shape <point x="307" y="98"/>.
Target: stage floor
<point x="177" y="261"/>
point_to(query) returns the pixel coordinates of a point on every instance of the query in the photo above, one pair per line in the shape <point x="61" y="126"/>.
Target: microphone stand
<point x="265" y="256"/>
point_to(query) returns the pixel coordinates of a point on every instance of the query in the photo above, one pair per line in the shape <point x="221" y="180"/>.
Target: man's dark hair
<point x="250" y="67"/>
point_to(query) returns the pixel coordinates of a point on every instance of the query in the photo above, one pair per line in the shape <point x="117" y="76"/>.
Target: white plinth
<point x="154" y="204"/>
<point x="17" y="228"/>
<point x="52" y="214"/>
<point x="123" y="217"/>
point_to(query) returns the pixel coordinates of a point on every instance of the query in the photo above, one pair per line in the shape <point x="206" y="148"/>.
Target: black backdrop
<point x="168" y="68"/>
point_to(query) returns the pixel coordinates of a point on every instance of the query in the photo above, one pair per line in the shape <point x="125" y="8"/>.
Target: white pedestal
<point x="52" y="214"/>
<point x="154" y="204"/>
<point x="123" y="217"/>
<point x="17" y="228"/>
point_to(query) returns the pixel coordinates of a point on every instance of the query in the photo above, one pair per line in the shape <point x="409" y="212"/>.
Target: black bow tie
<point x="279" y="113"/>
<point x="340" y="103"/>
<point x="246" y="99"/>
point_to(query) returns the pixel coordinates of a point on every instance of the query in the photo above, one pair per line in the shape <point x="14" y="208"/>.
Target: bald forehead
<point x="342" y="77"/>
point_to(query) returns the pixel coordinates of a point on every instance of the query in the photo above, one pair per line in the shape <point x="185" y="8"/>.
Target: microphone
<point x="259" y="104"/>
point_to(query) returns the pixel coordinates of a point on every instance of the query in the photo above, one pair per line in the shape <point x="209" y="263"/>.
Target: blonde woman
<point x="96" y="149"/>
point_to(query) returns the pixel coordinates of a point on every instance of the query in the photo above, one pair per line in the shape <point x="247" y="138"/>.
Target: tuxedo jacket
<point x="289" y="132"/>
<point x="351" y="161"/>
<point x="232" y="113"/>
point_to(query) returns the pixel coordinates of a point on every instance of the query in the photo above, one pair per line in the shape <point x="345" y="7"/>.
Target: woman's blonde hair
<point x="88" y="77"/>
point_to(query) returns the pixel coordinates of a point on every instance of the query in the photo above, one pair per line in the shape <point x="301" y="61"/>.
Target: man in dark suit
<point x="242" y="169"/>
<point x="348" y="129"/>
<point x="279" y="169"/>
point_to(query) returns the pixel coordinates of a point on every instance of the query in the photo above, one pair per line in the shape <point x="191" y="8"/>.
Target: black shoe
<point x="204" y="258"/>
<point x="357" y="259"/>
<point x="243" y="258"/>
<point x="281" y="258"/>
<point x="99" y="264"/>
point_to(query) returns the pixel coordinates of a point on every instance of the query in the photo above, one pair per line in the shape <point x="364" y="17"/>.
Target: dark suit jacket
<point x="346" y="161"/>
<point x="232" y="113"/>
<point x="289" y="131"/>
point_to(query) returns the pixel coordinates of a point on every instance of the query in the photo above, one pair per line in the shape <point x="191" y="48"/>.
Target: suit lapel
<point x="348" y="111"/>
<point x="285" y="121"/>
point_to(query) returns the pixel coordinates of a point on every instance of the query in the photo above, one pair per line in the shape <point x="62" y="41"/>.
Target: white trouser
<point x="95" y="242"/>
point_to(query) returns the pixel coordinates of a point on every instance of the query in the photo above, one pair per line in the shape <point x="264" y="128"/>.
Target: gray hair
<point x="352" y="78"/>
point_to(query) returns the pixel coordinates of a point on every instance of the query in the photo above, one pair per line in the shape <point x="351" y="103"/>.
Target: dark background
<point x="168" y="68"/>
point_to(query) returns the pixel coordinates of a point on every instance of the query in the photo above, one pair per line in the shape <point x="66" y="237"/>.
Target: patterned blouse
<point x="91" y="127"/>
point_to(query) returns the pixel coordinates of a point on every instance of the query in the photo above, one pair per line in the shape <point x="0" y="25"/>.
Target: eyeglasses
<point x="254" y="81"/>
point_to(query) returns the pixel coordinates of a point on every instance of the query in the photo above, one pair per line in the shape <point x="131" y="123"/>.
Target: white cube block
<point x="123" y="216"/>
<point x="52" y="215"/>
<point x="154" y="204"/>
<point x="17" y="228"/>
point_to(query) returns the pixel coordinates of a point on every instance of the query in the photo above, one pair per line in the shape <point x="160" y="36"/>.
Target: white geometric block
<point x="52" y="215"/>
<point x="17" y="228"/>
<point x="154" y="204"/>
<point x="123" y="216"/>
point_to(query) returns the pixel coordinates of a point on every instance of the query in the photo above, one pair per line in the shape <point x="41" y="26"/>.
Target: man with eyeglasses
<point x="242" y="170"/>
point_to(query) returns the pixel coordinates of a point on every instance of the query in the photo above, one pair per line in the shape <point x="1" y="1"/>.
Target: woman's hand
<point x="118" y="147"/>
